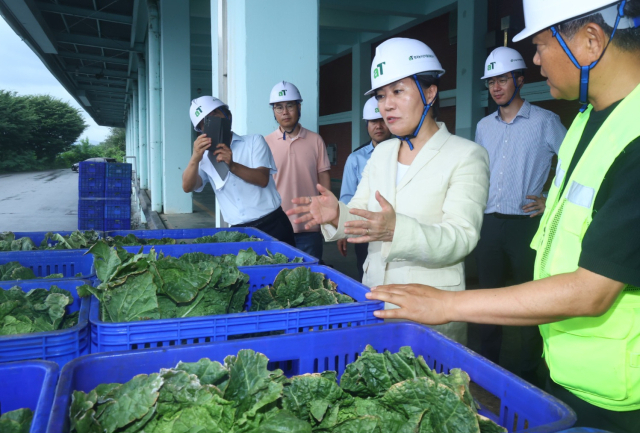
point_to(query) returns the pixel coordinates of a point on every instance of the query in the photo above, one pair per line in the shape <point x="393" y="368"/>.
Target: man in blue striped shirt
<point x="354" y="166"/>
<point x="521" y="140"/>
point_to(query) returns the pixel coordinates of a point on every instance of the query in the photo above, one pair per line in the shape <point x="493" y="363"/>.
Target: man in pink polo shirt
<point x="301" y="159"/>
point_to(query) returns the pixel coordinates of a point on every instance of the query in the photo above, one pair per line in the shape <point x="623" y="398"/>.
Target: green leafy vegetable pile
<point x="86" y="239"/>
<point x="226" y="236"/>
<point x="16" y="421"/>
<point x="8" y="242"/>
<point x="131" y="240"/>
<point x="15" y="271"/>
<point x="247" y="257"/>
<point x="379" y="393"/>
<point x="146" y="286"/>
<point x="295" y="288"/>
<point x="39" y="310"/>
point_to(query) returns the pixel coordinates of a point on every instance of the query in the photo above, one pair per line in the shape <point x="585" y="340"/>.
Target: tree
<point x="16" y="121"/>
<point x="115" y="144"/>
<point x="57" y="127"/>
<point x="34" y="130"/>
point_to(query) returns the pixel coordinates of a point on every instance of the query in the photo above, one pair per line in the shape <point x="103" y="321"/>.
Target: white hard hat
<point x="542" y="14"/>
<point x="398" y="58"/>
<point x="284" y="92"/>
<point x="202" y="106"/>
<point x="370" y="111"/>
<point x="503" y="60"/>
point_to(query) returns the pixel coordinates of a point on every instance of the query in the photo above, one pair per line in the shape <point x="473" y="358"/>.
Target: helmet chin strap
<point x="584" y="70"/>
<point x="515" y="92"/>
<point x="425" y="110"/>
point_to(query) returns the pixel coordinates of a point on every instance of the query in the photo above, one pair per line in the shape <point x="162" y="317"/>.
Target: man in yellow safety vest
<point x="586" y="290"/>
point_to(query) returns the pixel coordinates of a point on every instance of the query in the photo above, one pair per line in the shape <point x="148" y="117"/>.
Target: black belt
<point x="268" y="218"/>
<point x="509" y="217"/>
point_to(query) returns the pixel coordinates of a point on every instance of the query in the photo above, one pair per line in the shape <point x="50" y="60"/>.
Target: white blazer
<point x="439" y="206"/>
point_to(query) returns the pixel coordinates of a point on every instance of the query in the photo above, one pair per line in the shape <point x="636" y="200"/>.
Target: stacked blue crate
<point x="105" y="196"/>
<point x="117" y="209"/>
<point x="91" y="195"/>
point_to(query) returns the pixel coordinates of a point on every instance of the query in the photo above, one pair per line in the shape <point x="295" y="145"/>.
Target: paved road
<point x="39" y="201"/>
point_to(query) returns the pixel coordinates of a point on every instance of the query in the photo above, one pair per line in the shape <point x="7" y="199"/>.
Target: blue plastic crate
<point x="584" y="430"/>
<point x="117" y="223"/>
<point x="96" y="223"/>
<point x="218" y="249"/>
<point x="44" y="263"/>
<point x="520" y="403"/>
<point x="29" y="384"/>
<point x="58" y="346"/>
<point x="91" y="169"/>
<point x="116" y="184"/>
<point x="107" y="337"/>
<point x="90" y="208"/>
<point x="190" y="233"/>
<point x="117" y="195"/>
<point x="118" y="169"/>
<point x="117" y="209"/>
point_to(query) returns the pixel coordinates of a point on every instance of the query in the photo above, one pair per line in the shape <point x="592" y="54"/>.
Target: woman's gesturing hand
<point x="377" y="226"/>
<point x="321" y="209"/>
<point x="422" y="304"/>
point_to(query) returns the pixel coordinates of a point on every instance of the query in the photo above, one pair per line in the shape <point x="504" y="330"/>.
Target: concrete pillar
<point x="256" y="62"/>
<point x="142" y="123"/>
<point x="134" y="126"/>
<point x="176" y="98"/>
<point x="155" y="91"/>
<point x="472" y="28"/>
<point x="361" y="82"/>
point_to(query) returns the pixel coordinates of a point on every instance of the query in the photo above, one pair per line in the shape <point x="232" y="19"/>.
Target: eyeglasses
<point x="289" y="106"/>
<point x="502" y="81"/>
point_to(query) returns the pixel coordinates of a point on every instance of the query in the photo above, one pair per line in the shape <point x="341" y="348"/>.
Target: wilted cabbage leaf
<point x="16" y="421"/>
<point x="296" y="288"/>
<point x="243" y="396"/>
<point x="39" y="310"/>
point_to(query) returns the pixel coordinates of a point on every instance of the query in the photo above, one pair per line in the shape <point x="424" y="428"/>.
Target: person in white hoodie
<point x="247" y="195"/>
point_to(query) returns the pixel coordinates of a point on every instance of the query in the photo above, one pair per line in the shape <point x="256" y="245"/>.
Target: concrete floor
<point x="39" y="201"/>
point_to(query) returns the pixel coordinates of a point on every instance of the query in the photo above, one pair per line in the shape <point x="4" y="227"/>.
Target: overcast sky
<point x="23" y="72"/>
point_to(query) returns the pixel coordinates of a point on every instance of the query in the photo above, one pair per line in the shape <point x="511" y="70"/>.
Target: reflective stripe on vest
<point x="596" y="358"/>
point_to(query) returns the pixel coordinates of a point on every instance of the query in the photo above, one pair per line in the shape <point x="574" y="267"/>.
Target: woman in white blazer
<point x="422" y="196"/>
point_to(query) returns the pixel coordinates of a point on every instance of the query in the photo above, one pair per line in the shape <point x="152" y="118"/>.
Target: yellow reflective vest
<point x="596" y="358"/>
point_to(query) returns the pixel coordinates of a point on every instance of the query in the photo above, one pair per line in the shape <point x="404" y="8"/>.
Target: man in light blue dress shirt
<point x="354" y="166"/>
<point x="521" y="140"/>
<point x="247" y="195"/>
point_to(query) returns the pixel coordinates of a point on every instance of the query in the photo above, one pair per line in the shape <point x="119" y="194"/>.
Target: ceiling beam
<point x="358" y="21"/>
<point x="84" y="13"/>
<point x="103" y="89"/>
<point x="404" y="8"/>
<point x="93" y="41"/>
<point x="332" y="49"/>
<point x="90" y="70"/>
<point x="94" y="58"/>
<point x="83" y="80"/>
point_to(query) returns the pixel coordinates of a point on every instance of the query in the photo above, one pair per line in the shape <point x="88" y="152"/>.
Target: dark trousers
<point x="594" y="416"/>
<point x="311" y="243"/>
<point x="275" y="224"/>
<point x="505" y="246"/>
<point x="362" y="250"/>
